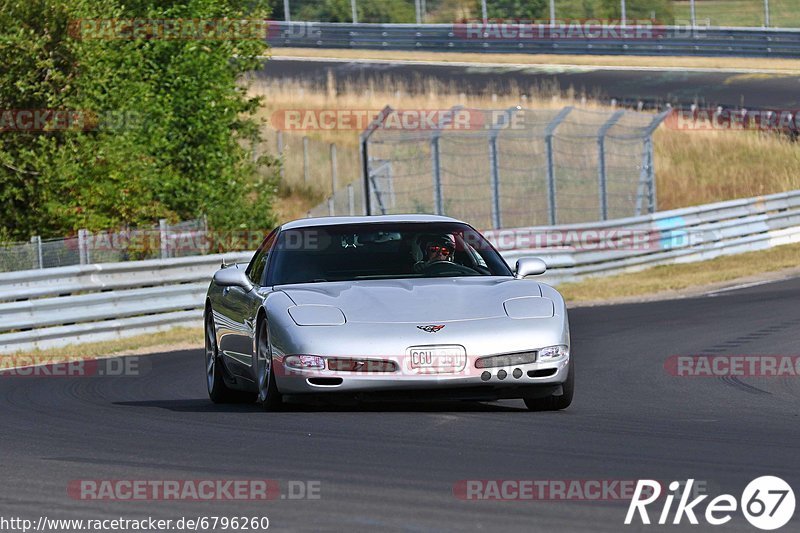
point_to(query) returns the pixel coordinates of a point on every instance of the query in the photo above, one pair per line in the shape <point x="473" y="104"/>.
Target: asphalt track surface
<point x="654" y="88"/>
<point x="391" y="467"/>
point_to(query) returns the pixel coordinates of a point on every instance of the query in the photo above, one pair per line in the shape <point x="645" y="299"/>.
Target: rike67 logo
<point x="767" y="503"/>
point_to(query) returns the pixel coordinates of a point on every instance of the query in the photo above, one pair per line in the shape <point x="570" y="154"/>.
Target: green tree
<point x="179" y="144"/>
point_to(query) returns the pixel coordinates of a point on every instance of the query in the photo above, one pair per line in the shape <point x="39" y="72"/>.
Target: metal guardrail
<point x="662" y="40"/>
<point x="54" y="307"/>
<point x="41" y="309"/>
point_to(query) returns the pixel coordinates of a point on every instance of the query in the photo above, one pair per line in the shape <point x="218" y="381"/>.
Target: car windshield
<point x="382" y="251"/>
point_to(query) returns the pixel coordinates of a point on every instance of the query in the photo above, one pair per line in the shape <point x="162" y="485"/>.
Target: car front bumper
<point x="532" y="379"/>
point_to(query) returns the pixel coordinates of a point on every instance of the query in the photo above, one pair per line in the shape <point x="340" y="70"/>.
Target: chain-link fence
<point x="508" y="168"/>
<point x="165" y="240"/>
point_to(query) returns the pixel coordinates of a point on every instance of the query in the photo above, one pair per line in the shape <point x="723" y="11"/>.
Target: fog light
<point x="511" y="359"/>
<point x="552" y="353"/>
<point x="304" y="361"/>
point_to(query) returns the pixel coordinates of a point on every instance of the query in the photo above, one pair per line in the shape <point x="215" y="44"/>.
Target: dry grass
<point x="669" y="279"/>
<point x="692" y="167"/>
<point x="174" y="339"/>
<point x="777" y="65"/>
<point x="695" y="168"/>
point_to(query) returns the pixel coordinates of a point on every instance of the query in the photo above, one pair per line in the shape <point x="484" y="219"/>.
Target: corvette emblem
<point x="431" y="328"/>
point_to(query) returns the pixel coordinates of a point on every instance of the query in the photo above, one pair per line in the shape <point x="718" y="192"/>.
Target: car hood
<point x="415" y="301"/>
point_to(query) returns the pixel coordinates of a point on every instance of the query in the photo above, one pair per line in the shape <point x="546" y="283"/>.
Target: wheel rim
<point x="211" y="354"/>
<point x="264" y="364"/>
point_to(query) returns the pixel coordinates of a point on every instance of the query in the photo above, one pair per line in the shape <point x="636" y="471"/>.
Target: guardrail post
<point x="351" y="200"/>
<point x="333" y="168"/>
<point x="305" y="160"/>
<point x="36" y="243"/>
<point x="551" y="176"/>
<point x="162" y="236"/>
<point x="601" y="162"/>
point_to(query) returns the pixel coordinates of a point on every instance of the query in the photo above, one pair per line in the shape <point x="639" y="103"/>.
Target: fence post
<point x="36" y="243"/>
<point x="305" y="160"/>
<point x="601" y="162"/>
<point x="436" y="174"/>
<point x="334" y="176"/>
<point x="364" y="149"/>
<point x="494" y="165"/>
<point x="331" y="206"/>
<point x="351" y="200"/>
<point x="162" y="236"/>
<point x="766" y="13"/>
<point x="648" y="175"/>
<point x="549" y="131"/>
<point x="83" y="247"/>
<point x="280" y="152"/>
<point x="495" y="176"/>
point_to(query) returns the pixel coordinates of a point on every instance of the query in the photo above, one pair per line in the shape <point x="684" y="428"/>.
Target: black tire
<point x="218" y="391"/>
<point x="555" y="403"/>
<point x="269" y="397"/>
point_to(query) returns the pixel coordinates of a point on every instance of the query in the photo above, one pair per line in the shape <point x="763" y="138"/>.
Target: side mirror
<point x="232" y="277"/>
<point x="530" y="266"/>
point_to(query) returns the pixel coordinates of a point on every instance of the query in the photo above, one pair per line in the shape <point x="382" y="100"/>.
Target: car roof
<point x="374" y="219"/>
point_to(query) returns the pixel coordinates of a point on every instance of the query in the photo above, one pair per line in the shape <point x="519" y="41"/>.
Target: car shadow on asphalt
<point x="206" y="406"/>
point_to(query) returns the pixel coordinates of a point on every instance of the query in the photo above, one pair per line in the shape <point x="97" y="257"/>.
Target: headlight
<point x="552" y="353"/>
<point x="511" y="359"/>
<point x="304" y="361"/>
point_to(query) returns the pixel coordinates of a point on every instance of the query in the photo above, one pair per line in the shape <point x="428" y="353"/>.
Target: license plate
<point x="437" y="358"/>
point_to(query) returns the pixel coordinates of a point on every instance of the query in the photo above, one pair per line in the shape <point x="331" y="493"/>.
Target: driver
<point x="440" y="248"/>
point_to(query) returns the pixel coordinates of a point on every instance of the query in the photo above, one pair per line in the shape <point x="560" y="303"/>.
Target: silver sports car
<point x="412" y="306"/>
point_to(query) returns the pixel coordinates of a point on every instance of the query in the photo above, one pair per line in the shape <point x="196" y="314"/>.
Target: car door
<point x="240" y="307"/>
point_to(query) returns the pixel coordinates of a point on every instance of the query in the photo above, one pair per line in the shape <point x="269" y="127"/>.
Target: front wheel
<point x="218" y="391"/>
<point x="555" y="403"/>
<point x="269" y="397"/>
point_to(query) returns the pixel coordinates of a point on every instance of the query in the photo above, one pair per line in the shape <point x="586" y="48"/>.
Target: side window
<point x="255" y="270"/>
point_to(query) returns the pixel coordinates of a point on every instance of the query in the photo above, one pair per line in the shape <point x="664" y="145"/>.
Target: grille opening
<point x="542" y="373"/>
<point x="325" y="382"/>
